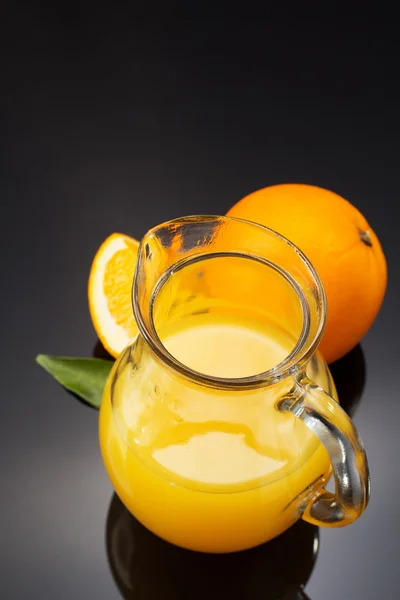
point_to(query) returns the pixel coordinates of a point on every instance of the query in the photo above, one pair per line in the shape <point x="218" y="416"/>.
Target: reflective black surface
<point x="111" y="122"/>
<point x="145" y="567"/>
<point x="349" y="374"/>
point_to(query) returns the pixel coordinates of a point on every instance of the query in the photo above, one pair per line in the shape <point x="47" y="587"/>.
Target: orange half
<point x="110" y="292"/>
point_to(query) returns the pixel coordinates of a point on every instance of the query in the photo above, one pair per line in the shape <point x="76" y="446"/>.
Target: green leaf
<point x="85" y="377"/>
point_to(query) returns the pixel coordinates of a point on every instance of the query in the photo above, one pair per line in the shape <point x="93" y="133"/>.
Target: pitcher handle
<point x="329" y="422"/>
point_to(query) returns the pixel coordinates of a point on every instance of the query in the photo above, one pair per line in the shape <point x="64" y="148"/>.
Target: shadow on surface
<point x="146" y="567"/>
<point x="349" y="374"/>
<point x="100" y="352"/>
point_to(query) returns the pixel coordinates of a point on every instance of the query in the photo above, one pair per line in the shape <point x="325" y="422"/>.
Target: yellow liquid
<point x="205" y="469"/>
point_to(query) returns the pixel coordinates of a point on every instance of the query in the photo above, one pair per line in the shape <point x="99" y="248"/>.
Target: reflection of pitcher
<point x="218" y="427"/>
<point x="147" y="568"/>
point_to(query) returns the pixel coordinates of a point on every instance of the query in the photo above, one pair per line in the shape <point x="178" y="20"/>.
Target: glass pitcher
<point x="220" y="424"/>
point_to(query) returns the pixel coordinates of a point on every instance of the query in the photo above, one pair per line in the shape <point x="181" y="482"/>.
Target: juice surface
<point x="209" y="470"/>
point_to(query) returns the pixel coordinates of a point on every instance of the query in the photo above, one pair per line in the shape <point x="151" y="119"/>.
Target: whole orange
<point x="338" y="240"/>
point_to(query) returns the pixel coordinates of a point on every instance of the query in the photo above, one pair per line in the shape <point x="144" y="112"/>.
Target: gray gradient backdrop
<point x="116" y="125"/>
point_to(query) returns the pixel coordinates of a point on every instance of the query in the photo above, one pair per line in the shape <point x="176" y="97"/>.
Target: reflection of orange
<point x="341" y="245"/>
<point x="250" y="290"/>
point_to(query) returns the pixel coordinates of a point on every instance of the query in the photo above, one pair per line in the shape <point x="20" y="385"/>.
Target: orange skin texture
<point x="329" y="230"/>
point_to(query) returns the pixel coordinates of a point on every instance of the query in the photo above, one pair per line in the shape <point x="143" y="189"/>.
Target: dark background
<point x="116" y="122"/>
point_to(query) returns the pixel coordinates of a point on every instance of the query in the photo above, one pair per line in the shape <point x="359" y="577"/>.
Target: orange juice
<point x="206" y="469"/>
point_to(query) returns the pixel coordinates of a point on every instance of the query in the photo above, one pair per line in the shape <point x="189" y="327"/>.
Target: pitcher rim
<point x="301" y="353"/>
